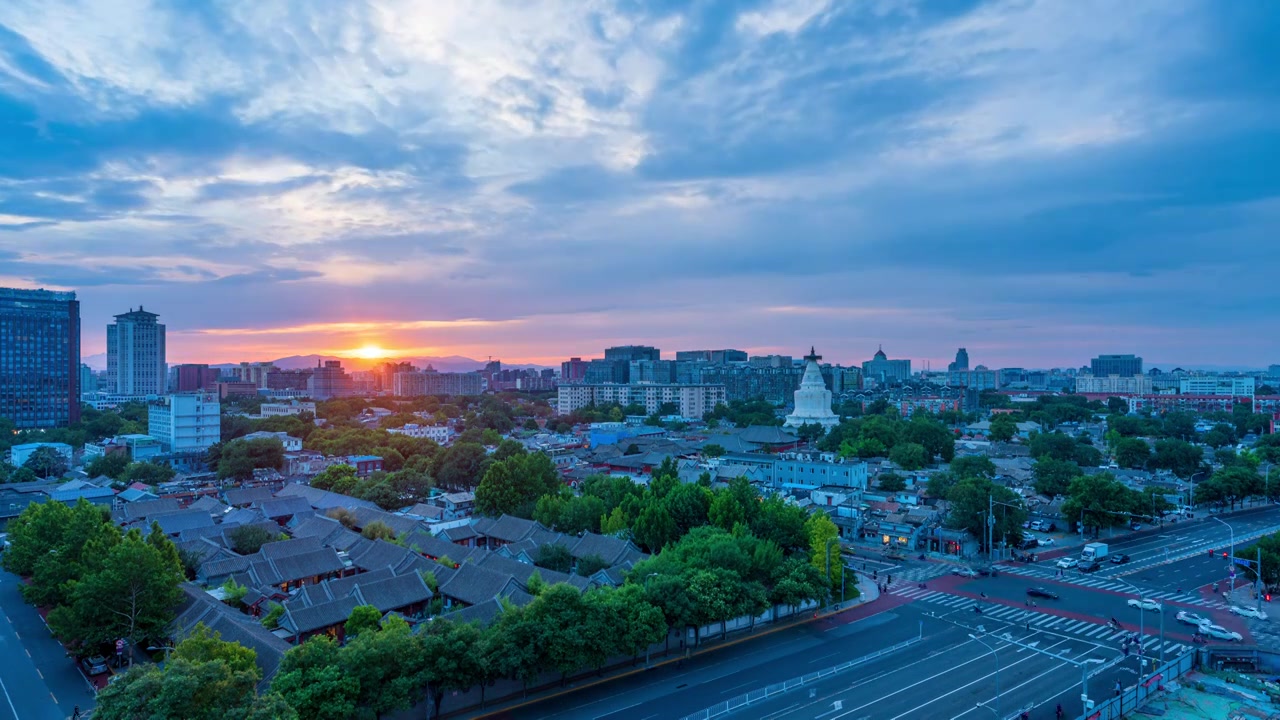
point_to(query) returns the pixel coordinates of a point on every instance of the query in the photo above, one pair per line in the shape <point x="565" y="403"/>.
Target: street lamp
<point x="1233" y="550"/>
<point x="1191" y="496"/>
<point x="997" y="657"/>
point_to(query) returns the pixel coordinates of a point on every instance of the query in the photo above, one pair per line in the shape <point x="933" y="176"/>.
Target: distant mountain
<point x="97" y="362"/>
<point x="451" y="363"/>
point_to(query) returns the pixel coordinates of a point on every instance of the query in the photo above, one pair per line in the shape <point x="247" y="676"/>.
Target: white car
<point x="1067" y="563"/>
<point x="1036" y="524"/>
<point x="965" y="572"/>
<point x="1190" y="618"/>
<point x="1046" y="540"/>
<point x="1145" y="604"/>
<point x="1249" y="612"/>
<point x="1219" y="632"/>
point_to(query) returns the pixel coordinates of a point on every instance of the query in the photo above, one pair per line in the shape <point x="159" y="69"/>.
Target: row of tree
<point x="102" y="584"/>
<point x="911" y="444"/>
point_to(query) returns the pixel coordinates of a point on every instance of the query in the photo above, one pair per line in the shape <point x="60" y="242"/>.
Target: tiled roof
<point x="284" y="507"/>
<point x="398" y="523"/>
<point x="375" y="554"/>
<point x="463" y="532"/>
<point x="472" y="584"/>
<point x="137" y="510"/>
<point x="768" y="435"/>
<point x="248" y="496"/>
<point x="522" y="572"/>
<point x="317" y="617"/>
<point x="209" y="504"/>
<point x="610" y="549"/>
<point x="322" y="499"/>
<point x="174" y="523"/>
<point x="200" y="607"/>
<point x="275" y="571"/>
<point x="329" y="531"/>
<point x="285" y="548"/>
<point x="509" y="528"/>
<point x="425" y="511"/>
<point x="483" y="613"/>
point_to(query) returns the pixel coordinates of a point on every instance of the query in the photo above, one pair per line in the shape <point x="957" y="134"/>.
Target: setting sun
<point x="370" y="352"/>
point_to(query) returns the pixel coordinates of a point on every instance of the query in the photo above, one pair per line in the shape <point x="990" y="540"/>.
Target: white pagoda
<point x="813" y="399"/>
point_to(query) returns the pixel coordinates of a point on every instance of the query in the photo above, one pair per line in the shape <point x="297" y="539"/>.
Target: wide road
<point x="37" y="680"/>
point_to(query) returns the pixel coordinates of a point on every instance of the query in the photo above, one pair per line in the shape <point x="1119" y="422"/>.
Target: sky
<point x="1039" y="182"/>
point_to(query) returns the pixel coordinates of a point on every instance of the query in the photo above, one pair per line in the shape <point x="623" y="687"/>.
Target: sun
<point x="371" y="352"/>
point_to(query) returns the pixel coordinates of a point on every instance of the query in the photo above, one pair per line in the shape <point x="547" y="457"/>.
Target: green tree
<point x="1178" y="456"/>
<point x="239" y="458"/>
<point x="638" y="622"/>
<point x="891" y="482"/>
<point x="979" y="466"/>
<point x="1117" y="406"/>
<point x="389" y="666"/>
<point x="513" y="486"/>
<point x="378" y="530"/>
<point x="149" y="473"/>
<point x="970" y="505"/>
<point x="1053" y="477"/>
<point x="824" y="548"/>
<point x="1132" y="453"/>
<point x="452" y="659"/>
<point x="363" y="619"/>
<point x="590" y="565"/>
<point x="781" y="523"/>
<point x="311" y="679"/>
<point x="909" y="456"/>
<point x="112" y="465"/>
<point x="132" y="596"/>
<point x="1230" y="486"/>
<point x="47" y="463"/>
<point x="249" y="539"/>
<point x="335" y="476"/>
<point x="931" y="435"/>
<point x="713" y="450"/>
<point x="1180" y="425"/>
<point x="1003" y="427"/>
<point x="460" y="466"/>
<point x="1221" y="435"/>
<point x="554" y="556"/>
<point x="1101" y="500"/>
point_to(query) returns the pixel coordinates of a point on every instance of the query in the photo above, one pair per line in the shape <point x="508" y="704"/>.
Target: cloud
<point x="767" y="173"/>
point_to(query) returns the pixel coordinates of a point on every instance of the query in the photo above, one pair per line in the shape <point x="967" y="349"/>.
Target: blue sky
<point x="1037" y="181"/>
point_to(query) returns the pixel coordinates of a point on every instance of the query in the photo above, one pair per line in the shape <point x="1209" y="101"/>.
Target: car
<point x="1248" y="612"/>
<point x="1088" y="566"/>
<point x="1042" y="592"/>
<point x="1067" y="563"/>
<point x="1219" y="632"/>
<point x="1046" y="541"/>
<point x="1051" y="527"/>
<point x="965" y="572"/>
<point x="1035" y="524"/>
<point x="1190" y="618"/>
<point x="1135" y="526"/>
<point x="1028" y="543"/>
<point x="1119" y="559"/>
<point x="987" y="571"/>
<point x="95" y="665"/>
<point x="1146" y="604"/>
<point x="1026" y="524"/>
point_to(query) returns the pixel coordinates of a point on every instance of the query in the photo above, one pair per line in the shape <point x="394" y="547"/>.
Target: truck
<point x="1094" y="552"/>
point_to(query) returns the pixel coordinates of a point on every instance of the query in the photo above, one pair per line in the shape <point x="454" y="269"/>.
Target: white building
<point x="139" y="447"/>
<point x="813" y="399"/>
<point x="291" y="408"/>
<point x="290" y="443"/>
<point x="19" y="454"/>
<point x="694" y="401"/>
<point x="104" y="401"/>
<point x="441" y="434"/>
<point x="136" y="355"/>
<point x="1135" y="385"/>
<point x="189" y="422"/>
<point x="1217" y="385"/>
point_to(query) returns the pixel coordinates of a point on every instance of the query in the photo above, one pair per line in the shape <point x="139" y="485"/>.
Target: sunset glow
<point x="371" y="352"/>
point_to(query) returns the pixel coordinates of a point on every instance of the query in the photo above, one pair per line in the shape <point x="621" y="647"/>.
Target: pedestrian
<point x="1126" y="649"/>
<point x="1118" y="688"/>
<point x="75" y="714"/>
<point x="888" y="578"/>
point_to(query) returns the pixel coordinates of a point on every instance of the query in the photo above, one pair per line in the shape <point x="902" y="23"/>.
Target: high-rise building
<point x="88" y="380"/>
<point x="39" y="358"/>
<point x="192" y="377"/>
<point x="188" y="423"/>
<point x="1122" y="365"/>
<point x="573" y="370"/>
<point x="712" y="356"/>
<point x="654" y="371"/>
<point x="416" y="384"/>
<point x="885" y="371"/>
<point x="329" y="381"/>
<point x="628" y="353"/>
<point x="607" y="371"/>
<point x="135" y="354"/>
<point x="961" y="361"/>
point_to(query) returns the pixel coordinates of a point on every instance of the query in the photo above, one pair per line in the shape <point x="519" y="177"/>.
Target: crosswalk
<point x="1035" y="620"/>
<point x="1092" y="581"/>
<point x="917" y="574"/>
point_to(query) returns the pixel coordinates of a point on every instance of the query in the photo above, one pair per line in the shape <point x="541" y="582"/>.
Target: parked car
<point x="95" y="665"/>
<point x="1145" y="604"/>
<point x="1051" y="527"/>
<point x="1190" y="618"/>
<point x="965" y="572"/>
<point x="1249" y="612"/>
<point x="987" y="571"/>
<point x="1029" y="542"/>
<point x="1135" y="526"/>
<point x="1067" y="563"/>
<point x="1042" y="592"/>
<point x="1026" y="524"/>
<point x="1219" y="632"/>
<point x="1035" y="524"/>
<point x="1088" y="566"/>
<point x="1046" y="540"/>
<point x="1119" y="559"/>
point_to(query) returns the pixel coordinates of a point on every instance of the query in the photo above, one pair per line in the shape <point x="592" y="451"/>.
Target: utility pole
<point x="991" y="530"/>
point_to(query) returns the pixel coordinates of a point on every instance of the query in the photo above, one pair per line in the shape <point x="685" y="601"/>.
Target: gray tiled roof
<point x="248" y="496"/>
<point x="612" y="550"/>
<point x="509" y="528"/>
<point x="209" y="504"/>
<point x="134" y="511"/>
<point x="323" y="499"/>
<point x="454" y="534"/>
<point x="274" y="571"/>
<point x="483" y="613"/>
<point x="472" y="584"/>
<point x="285" y="548"/>
<point x="317" y="617"/>
<point x="375" y="554"/>
<point x="174" y="523"/>
<point x="284" y="507"/>
<point x="398" y="523"/>
<point x="200" y="607"/>
<point x="522" y="572"/>
<point x="329" y="531"/>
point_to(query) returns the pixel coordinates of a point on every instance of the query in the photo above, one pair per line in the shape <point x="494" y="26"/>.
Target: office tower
<point x="88" y="380"/>
<point x="573" y="370"/>
<point x="627" y="353"/>
<point x="39" y="358"/>
<point x="188" y="423"/>
<point x="961" y="362"/>
<point x="192" y="377"/>
<point x="329" y="381"/>
<point x="885" y="371"/>
<point x="135" y="354"/>
<point x="1122" y="365"/>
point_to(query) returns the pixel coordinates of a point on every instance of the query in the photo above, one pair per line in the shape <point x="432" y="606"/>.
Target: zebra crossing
<point x="919" y="573"/>
<point x="1102" y="583"/>
<point x="1035" y="620"/>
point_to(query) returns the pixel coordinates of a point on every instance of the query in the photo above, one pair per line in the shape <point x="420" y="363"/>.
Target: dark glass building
<point x="39" y="358"/>
<point x="1122" y="365"/>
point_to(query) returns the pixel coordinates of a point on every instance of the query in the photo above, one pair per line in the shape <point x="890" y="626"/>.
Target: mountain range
<point x="451" y="363"/>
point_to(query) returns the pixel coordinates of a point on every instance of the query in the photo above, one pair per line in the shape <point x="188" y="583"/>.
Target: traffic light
<point x="1224" y="553"/>
<point x="1210" y="552"/>
<point x="1268" y="597"/>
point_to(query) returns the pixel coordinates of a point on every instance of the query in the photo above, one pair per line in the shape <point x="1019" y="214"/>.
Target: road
<point x="37" y="680"/>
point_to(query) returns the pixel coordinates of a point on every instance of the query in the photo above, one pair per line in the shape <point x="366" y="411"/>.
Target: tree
<point x="239" y="458"/>
<point x="931" y="435"/>
<point x="632" y="449"/>
<point x="249" y="539"/>
<point x="460" y="466"/>
<point x="312" y="681"/>
<point x="810" y="432"/>
<point x="970" y="505"/>
<point x="364" y="618"/>
<point x="1003" y="428"/>
<point x="513" y="486"/>
<point x="147" y="472"/>
<point x="781" y="523"/>
<point x="1055" y="445"/>
<point x="824" y="551"/>
<point x="205" y="678"/>
<point x="1117" y="406"/>
<point x="1053" y="477"/>
<point x="591" y="564"/>
<point x="1180" y="425"/>
<point x="713" y="450"/>
<point x="47" y="462"/>
<point x="1221" y="435"/>
<point x="1178" y="456"/>
<point x="1132" y="453"/>
<point x="132" y="596"/>
<point x="452" y="659"/>
<point x="1101" y="501"/>
<point x="890" y="482"/>
<point x="554" y="556"/>
<point x="909" y="456"/>
<point x="979" y="466"/>
<point x="378" y="530"/>
<point x="1229" y="485"/>
<point x="112" y="465"/>
<point x="335" y="476"/>
<point x="388" y="665"/>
